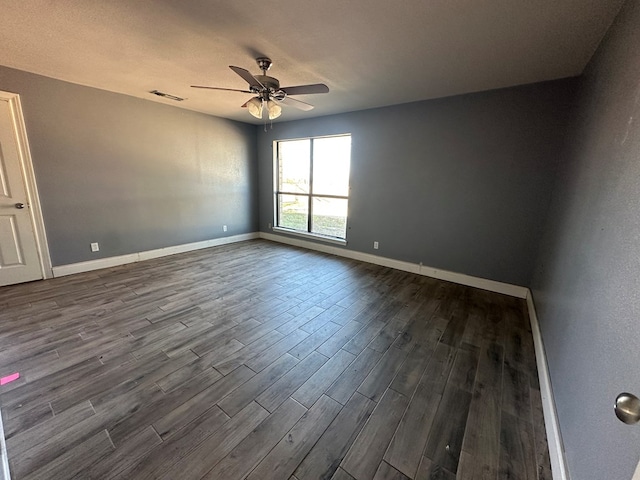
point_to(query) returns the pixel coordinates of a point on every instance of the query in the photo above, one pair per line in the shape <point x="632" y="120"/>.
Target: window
<point x="312" y="185"/>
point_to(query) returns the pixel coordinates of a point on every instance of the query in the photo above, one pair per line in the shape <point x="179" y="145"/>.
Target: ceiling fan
<point x="268" y="92"/>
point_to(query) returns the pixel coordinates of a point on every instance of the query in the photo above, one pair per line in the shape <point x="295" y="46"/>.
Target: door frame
<point x="28" y="175"/>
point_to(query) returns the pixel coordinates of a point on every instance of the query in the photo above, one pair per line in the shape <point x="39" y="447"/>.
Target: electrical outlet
<point x="95" y="247"/>
<point x="375" y="245"/>
<point x="269" y="225"/>
<point x="224" y="228"/>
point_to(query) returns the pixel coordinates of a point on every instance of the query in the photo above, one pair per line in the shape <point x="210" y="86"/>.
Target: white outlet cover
<point x="224" y="228"/>
<point x="95" y="247"/>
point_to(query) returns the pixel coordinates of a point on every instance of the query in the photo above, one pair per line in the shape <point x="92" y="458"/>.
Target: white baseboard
<point x="468" y="280"/>
<point x="554" y="439"/>
<point x="462" y="279"/>
<point x="636" y="475"/>
<point x="108" y="262"/>
<point x="4" y="459"/>
<point x="80" y="267"/>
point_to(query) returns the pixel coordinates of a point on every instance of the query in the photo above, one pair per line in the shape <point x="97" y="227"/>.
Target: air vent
<point x="166" y="95"/>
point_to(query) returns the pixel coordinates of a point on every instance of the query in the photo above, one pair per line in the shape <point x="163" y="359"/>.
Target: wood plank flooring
<point x="262" y="361"/>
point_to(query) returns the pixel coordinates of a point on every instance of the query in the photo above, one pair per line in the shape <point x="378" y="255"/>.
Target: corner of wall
<point x="552" y="426"/>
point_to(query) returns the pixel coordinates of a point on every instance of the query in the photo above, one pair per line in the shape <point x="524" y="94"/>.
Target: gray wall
<point x="132" y="174"/>
<point x="462" y="183"/>
<point x="587" y="281"/>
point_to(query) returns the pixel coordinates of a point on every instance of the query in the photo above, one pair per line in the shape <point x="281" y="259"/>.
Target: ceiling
<point x="370" y="53"/>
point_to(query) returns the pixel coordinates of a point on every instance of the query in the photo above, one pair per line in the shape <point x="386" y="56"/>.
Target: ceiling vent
<point x="166" y="95"/>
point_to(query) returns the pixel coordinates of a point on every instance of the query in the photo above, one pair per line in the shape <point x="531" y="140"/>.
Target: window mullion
<point x="278" y="185"/>
<point x="310" y="208"/>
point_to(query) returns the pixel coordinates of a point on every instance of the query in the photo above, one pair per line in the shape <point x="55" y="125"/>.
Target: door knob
<point x="628" y="408"/>
<point x="19" y="206"/>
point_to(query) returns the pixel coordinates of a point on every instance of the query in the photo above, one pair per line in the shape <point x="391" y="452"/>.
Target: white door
<point x="19" y="258"/>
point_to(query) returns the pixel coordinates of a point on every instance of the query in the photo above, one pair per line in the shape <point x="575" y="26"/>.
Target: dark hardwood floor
<point x="262" y="361"/>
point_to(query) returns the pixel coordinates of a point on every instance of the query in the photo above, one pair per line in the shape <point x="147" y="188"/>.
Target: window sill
<point x="312" y="236"/>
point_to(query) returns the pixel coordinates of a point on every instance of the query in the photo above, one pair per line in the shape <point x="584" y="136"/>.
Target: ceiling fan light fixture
<point x="274" y="110"/>
<point x="255" y="107"/>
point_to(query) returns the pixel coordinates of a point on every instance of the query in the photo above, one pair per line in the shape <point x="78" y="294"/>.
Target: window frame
<point x="310" y="195"/>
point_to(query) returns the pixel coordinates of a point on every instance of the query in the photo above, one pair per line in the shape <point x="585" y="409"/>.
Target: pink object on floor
<point x="9" y="378"/>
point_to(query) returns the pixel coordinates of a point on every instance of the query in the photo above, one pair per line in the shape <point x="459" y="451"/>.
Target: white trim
<point x="636" y="475"/>
<point x="483" y="283"/>
<point x="108" y="262"/>
<point x="90" y="265"/>
<point x="31" y="189"/>
<point x="188" y="247"/>
<point x="554" y="439"/>
<point x="4" y="466"/>
<point x="312" y="236"/>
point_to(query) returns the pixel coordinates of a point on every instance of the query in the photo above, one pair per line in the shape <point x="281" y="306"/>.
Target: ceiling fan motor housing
<point x="272" y="85"/>
<point x="272" y="89"/>
<point x="269" y="82"/>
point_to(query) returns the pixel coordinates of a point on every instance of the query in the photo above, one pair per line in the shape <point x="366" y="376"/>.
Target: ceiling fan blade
<point x="296" y="103"/>
<point x="250" y="79"/>
<point x="306" y="89"/>
<point x="219" y="88"/>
